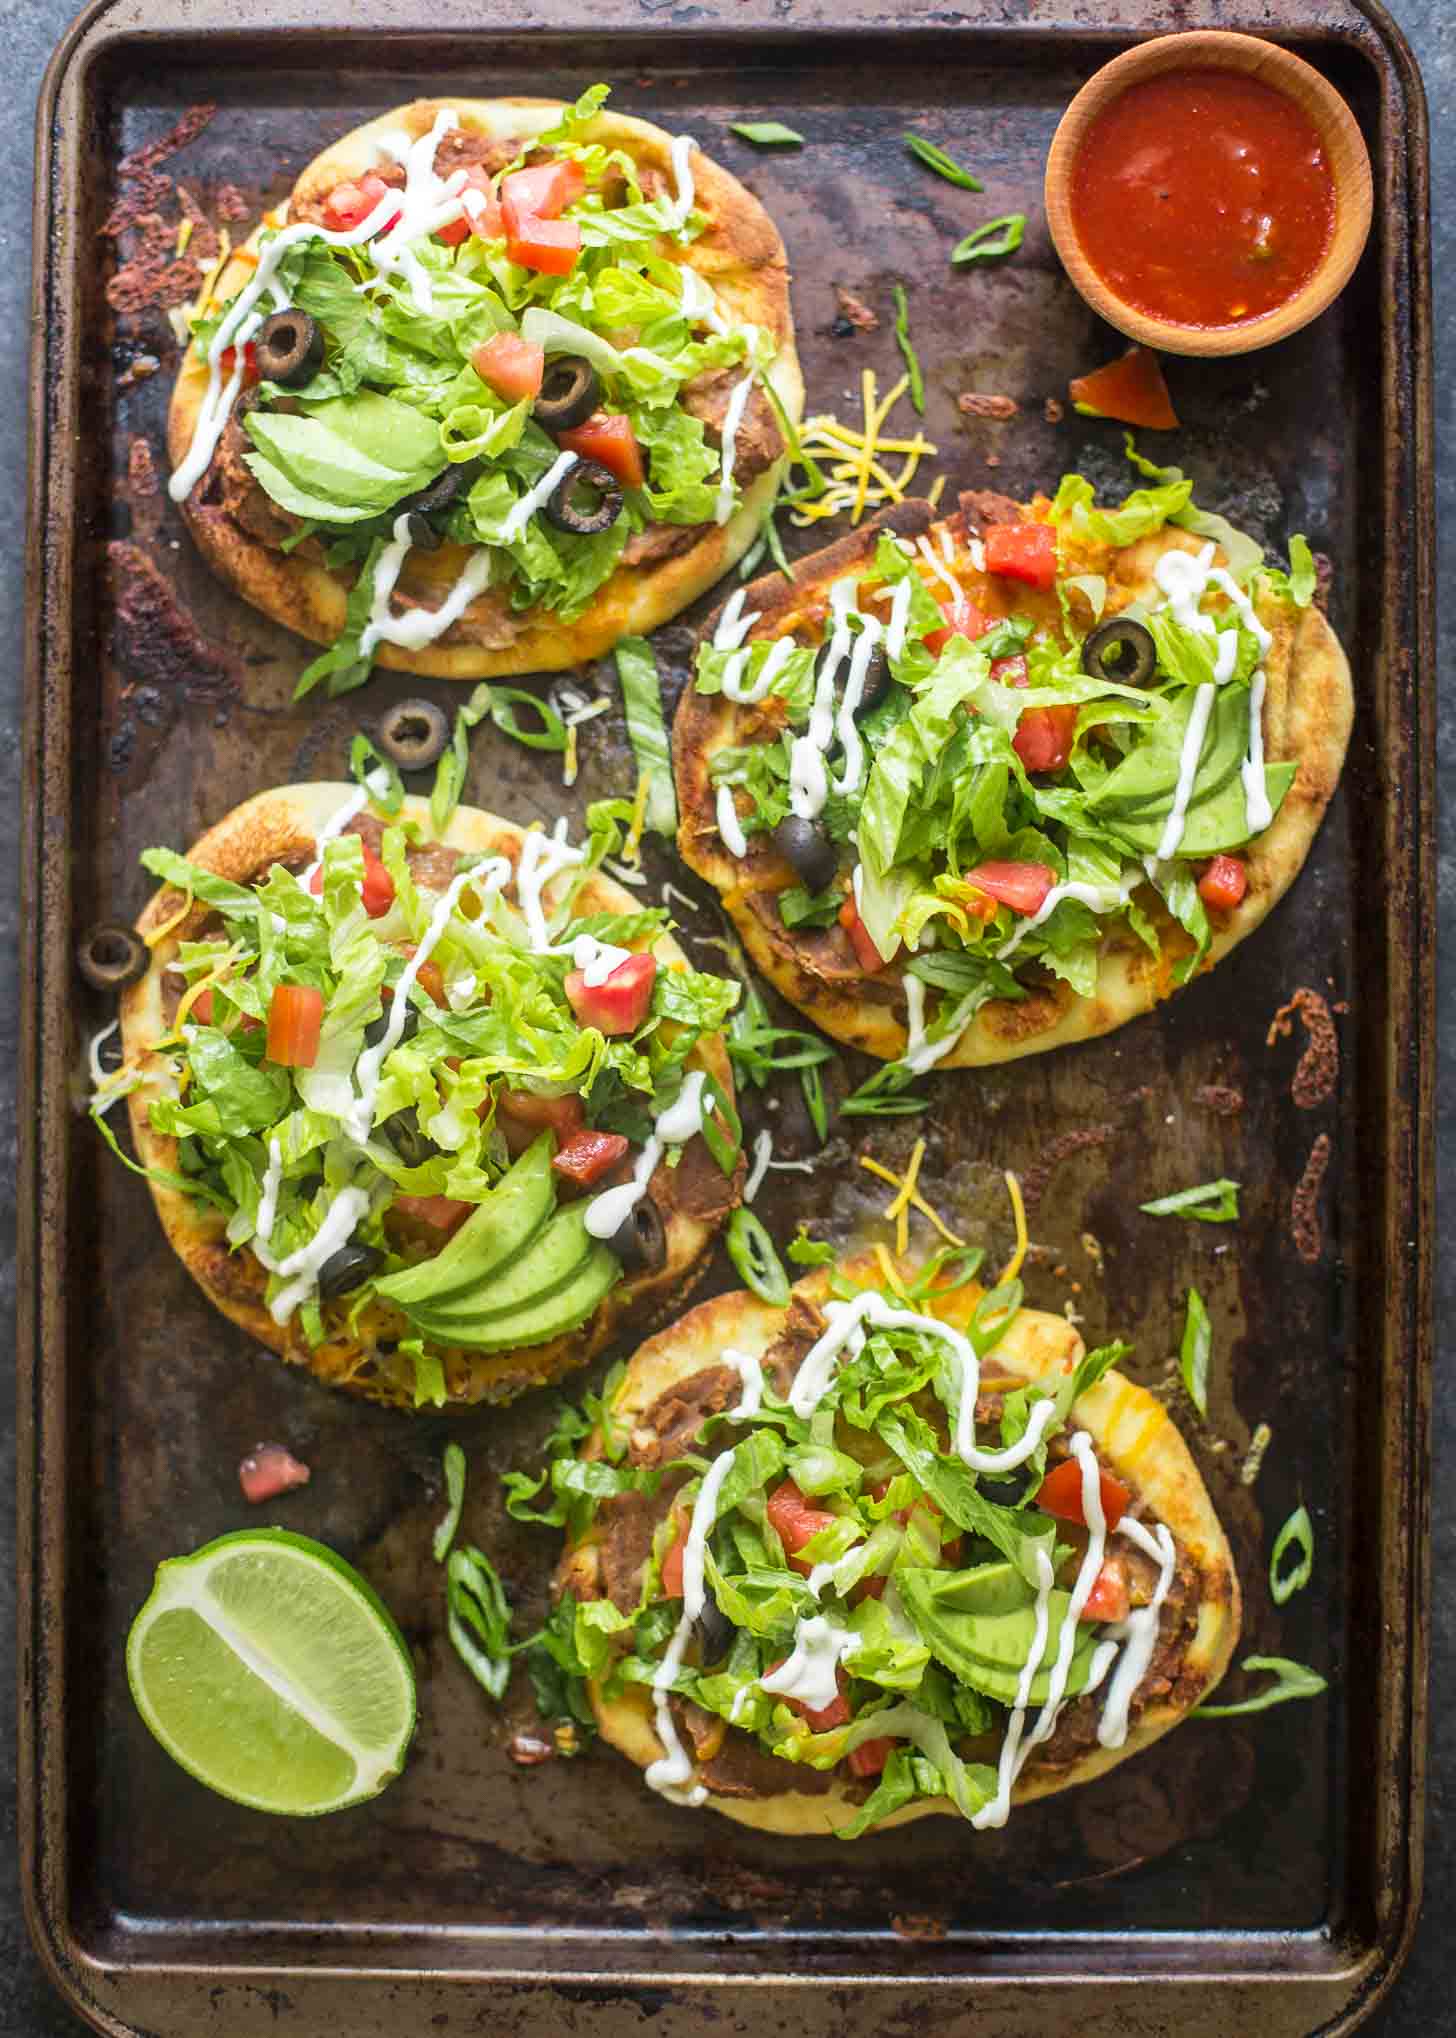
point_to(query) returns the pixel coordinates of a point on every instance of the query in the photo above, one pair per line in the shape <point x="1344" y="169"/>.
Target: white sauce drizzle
<point x="682" y="170"/>
<point x="676" y="1125"/>
<point x="810" y="1673"/>
<point x="899" y="617"/>
<point x="99" y="1075"/>
<point x="526" y="507"/>
<point x="332" y="828"/>
<point x="674" y="1767"/>
<point x="300" y="1270"/>
<point x="849" y="736"/>
<point x="780" y="652"/>
<point x="729" y="825"/>
<point x="732" y="419"/>
<point x="1188" y="761"/>
<point x="749" y="1368"/>
<point x="597" y="959"/>
<point x="762" y="1155"/>
<point x="543" y="857"/>
<point x="268" y="1201"/>
<point x="1101" y="899"/>
<point x="1138" y="1633"/>
<point x="808" y="777"/>
<point x="1257" y="811"/>
<point x="1183" y="577"/>
<point x="733" y="625"/>
<point x="922" y="1054"/>
<point x="937" y="566"/>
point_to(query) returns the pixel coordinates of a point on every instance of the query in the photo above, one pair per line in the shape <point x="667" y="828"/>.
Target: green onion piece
<point x="1210" y="1203"/>
<point x="364" y="763"/>
<point x="775" y="545"/>
<point x="912" y="359"/>
<point x="455" y="1496"/>
<point x="646" y="730"/>
<point x="812" y="1252"/>
<point x="884" y="1095"/>
<point x="752" y="1251"/>
<point x="761" y="1050"/>
<point x="1196" y="1351"/>
<point x="724" y="1148"/>
<point x="503" y="702"/>
<point x="450" y="771"/>
<point x="1291" y="1680"/>
<point x="1302" y="577"/>
<point x="811" y="1081"/>
<point x="767" y="134"/>
<point x="814" y="483"/>
<point x="1298" y="1533"/>
<point x="990" y="242"/>
<point x="479" y="1619"/>
<point x="935" y="158"/>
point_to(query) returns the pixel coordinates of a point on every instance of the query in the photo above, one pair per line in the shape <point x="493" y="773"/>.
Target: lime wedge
<point x="270" y="1670"/>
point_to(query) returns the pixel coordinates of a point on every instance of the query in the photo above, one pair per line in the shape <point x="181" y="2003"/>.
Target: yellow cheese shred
<point x="568" y="758"/>
<point x="890" y="1272"/>
<point x="907" y="1198"/>
<point x="1018" y="1210"/>
<point x="184" y="235"/>
<point x="209" y="281"/>
<point x="632" y="847"/>
<point x="159" y="934"/>
<point x="858" y="476"/>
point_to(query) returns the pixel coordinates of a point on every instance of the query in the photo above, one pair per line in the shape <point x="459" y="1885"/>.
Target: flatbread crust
<point x="279" y="827"/>
<point x="740" y="253"/>
<point x="1308" y="712"/>
<point x="1135" y="1438"/>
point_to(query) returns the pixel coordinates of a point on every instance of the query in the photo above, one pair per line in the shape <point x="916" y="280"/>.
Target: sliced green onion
<point x="1297" y="1533"/>
<point x="1210" y="1203"/>
<point x="1291" y="1680"/>
<point x="767" y="134"/>
<point x="647" y="731"/>
<point x="724" y="1149"/>
<point x="455" y="1497"/>
<point x="884" y="1095"/>
<point x="479" y="1619"/>
<point x="551" y="735"/>
<point x="811" y="1082"/>
<point x="1196" y="1351"/>
<point x="450" y="771"/>
<point x="990" y="242"/>
<point x="752" y="1251"/>
<point x="935" y="158"/>
<point x="367" y="767"/>
<point x="1303" y="579"/>
<point x="912" y="359"/>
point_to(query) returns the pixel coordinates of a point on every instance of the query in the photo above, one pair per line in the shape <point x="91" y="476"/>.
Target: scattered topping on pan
<point x="1254" y="1459"/>
<point x="991" y="242"/>
<point x="270" y="1470"/>
<point x="907" y="1197"/>
<point x="856" y="311"/>
<point x="1291" y="1680"/>
<point x="935" y="158"/>
<point x="1305" y="1227"/>
<point x="973" y="406"/>
<point x="647" y="731"/>
<point x="858" y="478"/>
<point x="767" y="134"/>
<point x="1195" y="1354"/>
<point x="902" y="341"/>
<point x="1318" y="1072"/>
<point x="1297" y="1535"/>
<point x="1130" y="389"/>
<point x="1210" y="1203"/>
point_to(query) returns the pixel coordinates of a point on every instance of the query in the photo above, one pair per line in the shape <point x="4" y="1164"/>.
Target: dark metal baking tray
<point x="1252" y="1875"/>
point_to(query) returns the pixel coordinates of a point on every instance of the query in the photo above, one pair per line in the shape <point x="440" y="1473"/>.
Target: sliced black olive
<point x="876" y="680"/>
<point x="640" y="1242"/>
<point x="290" y="348"/>
<point x="404" y="1135"/>
<point x="714" y="1631"/>
<point x="414" y="734"/>
<point x="1120" y="649"/>
<point x="808" y="848"/>
<point x="375" y="1031"/>
<point x="569" y="391"/>
<point x="595" y="479"/>
<point x="347" y="1268"/>
<point x="422" y="533"/>
<point x="446" y="488"/>
<point x="110" y="956"/>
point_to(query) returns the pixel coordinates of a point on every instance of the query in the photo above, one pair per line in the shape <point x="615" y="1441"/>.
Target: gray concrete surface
<point x="1424" y="2000"/>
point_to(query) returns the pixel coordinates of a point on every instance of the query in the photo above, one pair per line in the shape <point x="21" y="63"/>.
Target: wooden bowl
<point x="1202" y="50"/>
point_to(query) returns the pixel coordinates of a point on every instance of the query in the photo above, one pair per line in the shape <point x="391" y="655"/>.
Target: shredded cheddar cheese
<point x="159" y="934"/>
<point x="907" y="1198"/>
<point x="1018" y="1210"/>
<point x="568" y="756"/>
<point x="209" y="282"/>
<point x="858" y="476"/>
<point x="632" y="847"/>
<point x="218" y="974"/>
<point x="891" y="1273"/>
<point x="184" y="235"/>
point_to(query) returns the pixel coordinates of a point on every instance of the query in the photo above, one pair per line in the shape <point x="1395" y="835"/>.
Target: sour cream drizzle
<point x="268" y="1200"/>
<point x="597" y="959"/>
<point x="682" y="170"/>
<point x="810" y="1673"/>
<point x="729" y="825"/>
<point x="1138" y="1633"/>
<point x="674" y="1767"/>
<point x="749" y="1368"/>
<point x="779" y="654"/>
<point x="332" y="828"/>
<point x="849" y="737"/>
<point x="1101" y="899"/>
<point x="808" y="778"/>
<point x="922" y="1054"/>
<point x="1257" y="810"/>
<point x="732" y="419"/>
<point x="542" y="858"/>
<point x="898" y="618"/>
<point x="1188" y="759"/>
<point x="676" y="1125"/>
<point x="335" y="1231"/>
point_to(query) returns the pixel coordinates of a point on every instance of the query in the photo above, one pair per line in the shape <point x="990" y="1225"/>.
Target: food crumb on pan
<point x="157" y="640"/>
<point x="270" y="1470"/>
<point x="1319" y="1066"/>
<point x="1304" y="1209"/>
<point x="141" y="468"/>
<point x="1258" y="1445"/>
<point x="230" y="203"/>
<point x="1054" y="410"/>
<point x="856" y="310"/>
<point x="972" y="405"/>
<point x="529" y="1749"/>
<point x="1092" y="1246"/>
<point x="139" y="369"/>
<point x="1221" y="1098"/>
<point x="1038" y="1175"/>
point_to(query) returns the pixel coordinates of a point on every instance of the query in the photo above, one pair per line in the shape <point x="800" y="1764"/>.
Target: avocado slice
<point x="988" y="1651"/>
<point x="1220" y="822"/>
<point x="550" y="1315"/>
<point x="1148" y="775"/>
<point x="549" y="1260"/>
<point x="494" y="1234"/>
<point x="985" y="1589"/>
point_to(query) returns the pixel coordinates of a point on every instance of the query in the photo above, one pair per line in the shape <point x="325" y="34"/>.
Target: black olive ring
<point x="876" y="682"/>
<point x="640" y="1242"/>
<point x="110" y="956"/>
<point x="446" y="488"/>
<point x="348" y="1268"/>
<point x="289" y="348"/>
<point x="590" y="474"/>
<point x="569" y="391"/>
<point x="808" y="848"/>
<point x="413" y="734"/>
<point x="1129" y="644"/>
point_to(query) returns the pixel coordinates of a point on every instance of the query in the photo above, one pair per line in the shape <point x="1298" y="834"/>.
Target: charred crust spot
<point x="1035" y="1181"/>
<point x="157" y="640"/>
<point x="1220" y="1098"/>
<point x="1305" y="1226"/>
<point x="1318" y="1071"/>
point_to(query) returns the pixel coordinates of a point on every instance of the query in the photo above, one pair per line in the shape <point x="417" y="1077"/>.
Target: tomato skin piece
<point x="483" y="218"/>
<point x="295" y="1021"/>
<point x="822" y="1718"/>
<point x="1012" y="671"/>
<point x="621" y="1003"/>
<point x="672" y="1563"/>
<point x="523" y="1117"/>
<point x="1044" y="737"/>
<point x="377" y="890"/>
<point x="1021" y="886"/>
<point x="349" y="205"/>
<point x="870" y="1757"/>
<point x="869" y="957"/>
<point x="202" y="1011"/>
<point x="444" y="1214"/>
<point x="546" y="190"/>
<point x="550" y="246"/>
<point x="1024" y="552"/>
<point x="513" y="367"/>
<point x="227" y="360"/>
<point x="1060" y="1494"/>
<point x="872" y="1587"/>
<point x="587" y="1156"/>
<point x="795" y="1521"/>
<point x="610" y="440"/>
<point x="962" y="619"/>
<point x="1130" y="389"/>
<point x="1223" y="884"/>
<point x="1110" y="1598"/>
<point x="270" y="1471"/>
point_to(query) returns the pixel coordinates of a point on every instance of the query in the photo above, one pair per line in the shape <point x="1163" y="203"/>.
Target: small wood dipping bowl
<point x="1344" y="147"/>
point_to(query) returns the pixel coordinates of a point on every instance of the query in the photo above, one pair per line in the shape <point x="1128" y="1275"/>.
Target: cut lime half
<point x="270" y="1670"/>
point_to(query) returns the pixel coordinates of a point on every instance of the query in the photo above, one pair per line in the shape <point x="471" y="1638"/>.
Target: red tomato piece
<point x="431" y="980"/>
<point x="203" y="1010"/>
<point x="513" y="367"/>
<point x="443" y="1214"/>
<point x="1130" y="389"/>
<point x="549" y="246"/>
<point x="587" y="1156"/>
<point x="1021" y="886"/>
<point x="482" y="215"/>
<point x="610" y="440"/>
<point x="672" y="1563"/>
<point x="295" y="1020"/>
<point x="795" y="1521"/>
<point x="1044" y="736"/>
<point x="1011" y="671"/>
<point x="227" y="360"/>
<point x="1025" y="552"/>
<point x="349" y="205"/>
<point x="872" y="1587"/>
<point x="546" y="190"/>
<point x="1109" y="1598"/>
<point x="870" y="1757"/>
<point x="821" y="1718"/>
<point x="269" y="1470"/>
<point x="523" y="1116"/>
<point x="870" y="959"/>
<point x="1223" y="884"/>
<point x="620" y="1004"/>
<point x="1061" y="1494"/>
<point x="377" y="891"/>
<point x="962" y="619"/>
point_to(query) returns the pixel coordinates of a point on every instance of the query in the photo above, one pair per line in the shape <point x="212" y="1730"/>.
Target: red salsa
<point x="1203" y="197"/>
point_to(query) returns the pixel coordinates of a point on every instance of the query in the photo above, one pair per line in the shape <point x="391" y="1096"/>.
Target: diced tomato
<point x="821" y="1718"/>
<point x="295" y="1021"/>
<point x="550" y="246"/>
<point x="1044" y="737"/>
<point x="443" y="1214"/>
<point x="962" y="619"/>
<point x="870" y="959"/>
<point x="378" y="889"/>
<point x="587" y="1156"/>
<point x="512" y="366"/>
<point x="523" y="1116"/>
<point x="870" y="1757"/>
<point x="610" y="440"/>
<point x="203" y="1010"/>
<point x="1025" y="552"/>
<point x="1011" y="671"/>
<point x="620" y="1004"/>
<point x="547" y="189"/>
<point x="482" y="215"/>
<point x="1109" y="1598"/>
<point x="1130" y="389"/>
<point x="1021" y="886"/>
<point x="872" y="1587"/>
<point x="269" y="1470"/>
<point x="795" y="1521"/>
<point x="672" y="1563"/>
<point x="349" y="205"/>
<point x="227" y="360"/>
<point x="1061" y="1494"/>
<point x="1223" y="884"/>
<point x="431" y="980"/>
